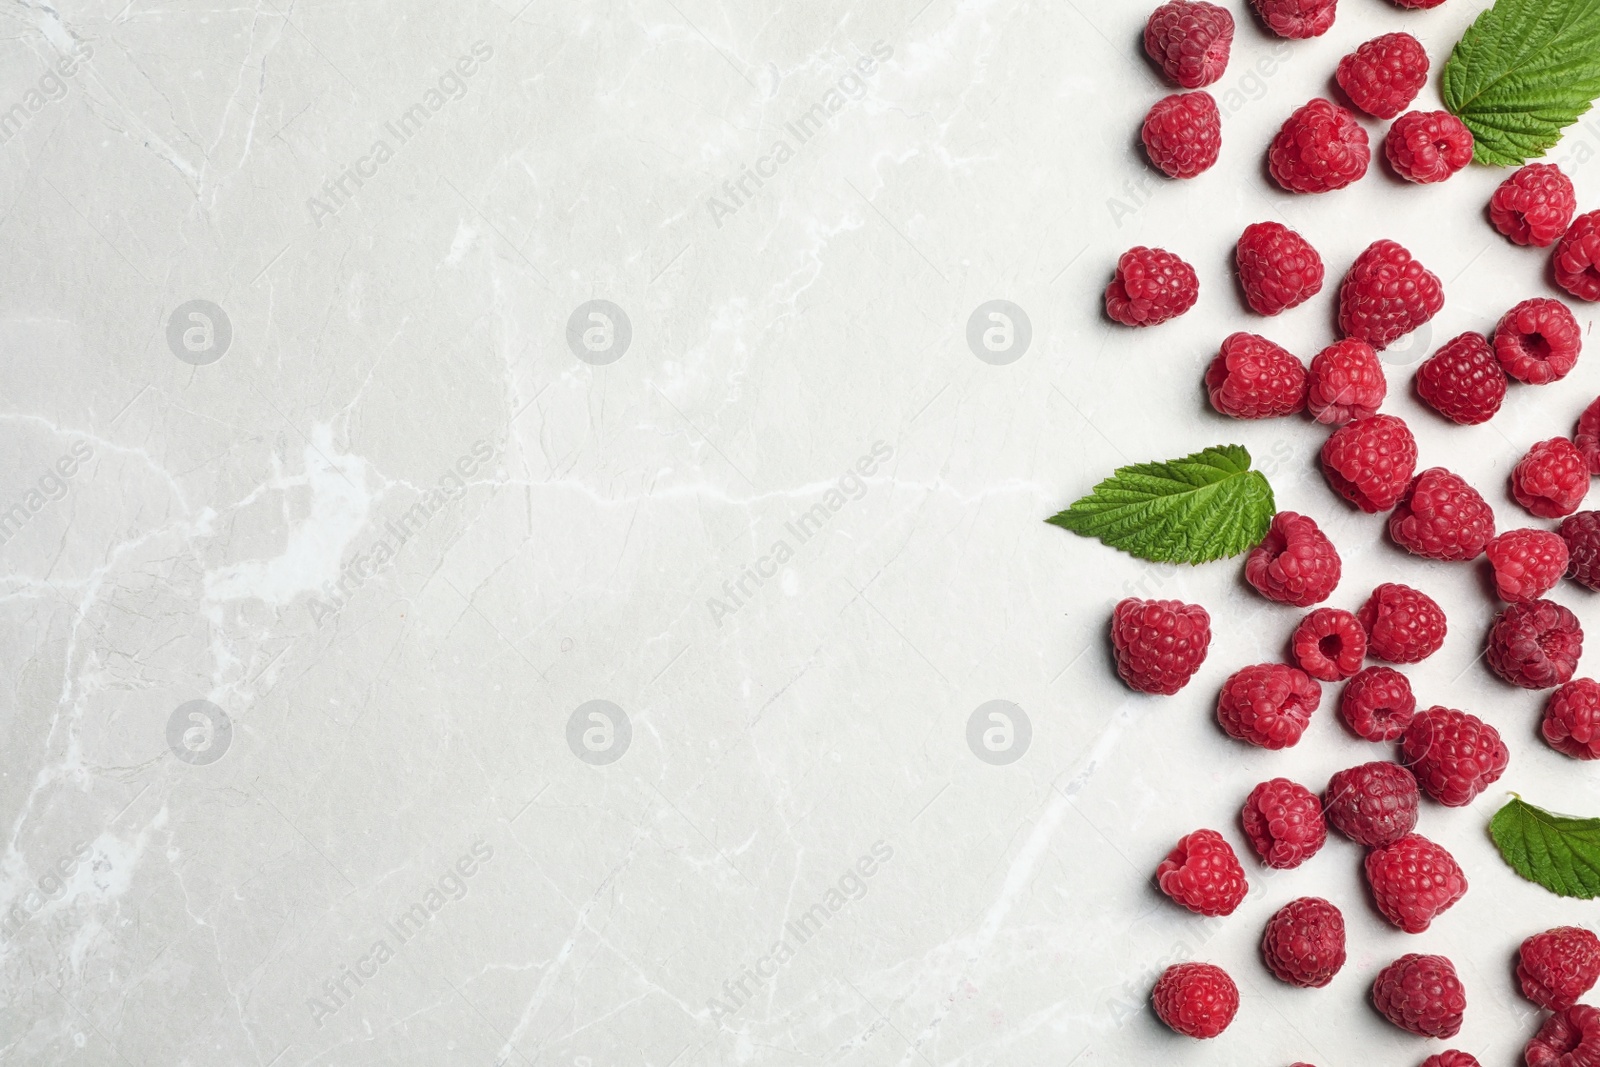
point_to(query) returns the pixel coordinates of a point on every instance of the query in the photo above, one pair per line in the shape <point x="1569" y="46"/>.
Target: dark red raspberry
<point x="1451" y="1058"/>
<point x="1535" y="205"/>
<point x="1428" y="146"/>
<point x="1404" y="625"/>
<point x="1421" y="994"/>
<point x="1268" y="704"/>
<point x="1413" y="881"/>
<point x="1295" y="563"/>
<point x="1182" y="134"/>
<point x="1278" y="268"/>
<point x="1345" y="382"/>
<point x="1369" y="462"/>
<point x="1552" y="479"/>
<point x="1159" y="644"/>
<point x="1252" y="378"/>
<point x="1581" y="532"/>
<point x="1454" y="755"/>
<point x="1572" y="719"/>
<point x="1567" y="1039"/>
<point x="1576" y="259"/>
<point x="1527" y="563"/>
<point x="1587" y="437"/>
<point x="1151" y="286"/>
<point x="1538" y="341"/>
<point x="1418" y="5"/>
<point x="1283" y="821"/>
<point x="1559" y="966"/>
<point x="1378" y="704"/>
<point x="1463" y="381"/>
<point x="1196" y="999"/>
<point x="1304" y="942"/>
<point x="1442" y="517"/>
<point x="1189" y="40"/>
<point x="1384" y="75"/>
<point x="1321" y="147"/>
<point x="1297" y="19"/>
<point x="1374" y="804"/>
<point x="1203" y="874"/>
<point x="1387" y="294"/>
<point x="1329" y="644"/>
<point x="1535" y="645"/>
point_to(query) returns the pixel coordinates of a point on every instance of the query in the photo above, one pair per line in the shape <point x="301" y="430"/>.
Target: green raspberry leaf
<point x="1191" y="510"/>
<point x="1524" y="71"/>
<point x="1559" y="852"/>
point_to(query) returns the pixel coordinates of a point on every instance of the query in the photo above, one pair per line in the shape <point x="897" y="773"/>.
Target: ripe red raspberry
<point x="1418" y="5"/>
<point x="1576" y="259"/>
<point x="1295" y="563"/>
<point x="1387" y="294"/>
<point x="1552" y="479"/>
<point x="1252" y="378"/>
<point x="1196" y="999"/>
<point x="1321" y="147"/>
<point x="1572" y="719"/>
<point x="1278" y="268"/>
<point x="1463" y="381"/>
<point x="1581" y="532"/>
<point x="1421" y="994"/>
<point x="1535" y="645"/>
<point x="1403" y="625"/>
<point x="1384" y="75"/>
<point x="1297" y="19"/>
<point x="1374" y="804"/>
<point x="1428" y="146"/>
<point x="1442" y="517"/>
<point x="1345" y="382"/>
<point x="1151" y="285"/>
<point x="1378" y="704"/>
<point x="1159" y="644"/>
<point x="1587" y="437"/>
<point x="1454" y="755"/>
<point x="1283" y="821"/>
<point x="1413" y="881"/>
<point x="1535" y="205"/>
<point x="1559" y="966"/>
<point x="1203" y="874"/>
<point x="1451" y="1058"/>
<point x="1329" y="644"/>
<point x="1567" y="1039"/>
<point x="1369" y="462"/>
<point x="1538" y="341"/>
<point x="1268" y="704"/>
<point x="1189" y="41"/>
<point x="1527" y="563"/>
<point x="1304" y="943"/>
<point x="1182" y="134"/>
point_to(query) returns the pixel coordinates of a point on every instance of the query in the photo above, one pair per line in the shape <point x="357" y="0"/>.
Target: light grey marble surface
<point x="309" y="422"/>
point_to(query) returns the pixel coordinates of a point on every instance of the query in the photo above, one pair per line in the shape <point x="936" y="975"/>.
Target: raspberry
<point x="1304" y="943"/>
<point x="1418" y="5"/>
<point x="1374" y="804"/>
<point x="1576" y="260"/>
<point x="1567" y="1039"/>
<point x="1581" y="532"/>
<point x="1268" y="704"/>
<point x="1252" y="378"/>
<point x="1189" y="41"/>
<point x="1345" y="382"/>
<point x="1383" y="76"/>
<point x="1403" y="625"/>
<point x="1559" y="966"/>
<point x="1283" y="821"/>
<point x="1552" y="479"/>
<point x="1151" y="285"/>
<point x="1183" y="134"/>
<point x="1534" y="206"/>
<point x="1413" y="881"/>
<point x="1378" y="704"/>
<point x="1454" y="755"/>
<point x="1329" y="644"/>
<point x="1535" y="645"/>
<point x="1387" y="294"/>
<point x="1278" y="268"/>
<point x="1421" y="994"/>
<point x="1428" y="146"/>
<point x="1295" y="563"/>
<point x="1587" y="437"/>
<point x="1451" y="1058"/>
<point x="1203" y="874"/>
<point x="1463" y="381"/>
<point x="1527" y="563"/>
<point x="1159" y="644"/>
<point x="1572" y="719"/>
<point x="1442" y="517"/>
<point x="1297" y="19"/>
<point x="1196" y="999"/>
<point x="1369" y="462"/>
<point x="1321" y="147"/>
<point x="1538" y="341"/>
